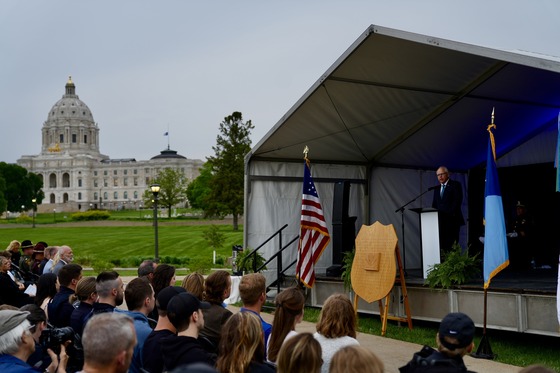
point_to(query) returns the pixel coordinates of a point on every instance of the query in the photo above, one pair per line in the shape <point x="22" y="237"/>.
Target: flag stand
<point x="484" y="351"/>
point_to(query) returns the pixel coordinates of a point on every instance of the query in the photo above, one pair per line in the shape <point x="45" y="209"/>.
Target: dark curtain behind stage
<point x="534" y="186"/>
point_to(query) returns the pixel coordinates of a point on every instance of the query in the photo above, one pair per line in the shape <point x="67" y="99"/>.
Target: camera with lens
<point x="53" y="337"/>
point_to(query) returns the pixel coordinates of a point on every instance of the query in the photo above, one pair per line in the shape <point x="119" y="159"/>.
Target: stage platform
<point x="519" y="301"/>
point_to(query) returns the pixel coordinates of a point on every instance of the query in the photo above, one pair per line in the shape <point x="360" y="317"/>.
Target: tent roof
<point x="407" y="100"/>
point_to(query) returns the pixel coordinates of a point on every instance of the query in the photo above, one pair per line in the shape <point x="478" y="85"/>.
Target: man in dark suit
<point x="448" y="199"/>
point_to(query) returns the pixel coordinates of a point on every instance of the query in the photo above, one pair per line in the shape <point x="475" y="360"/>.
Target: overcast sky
<point x="148" y="67"/>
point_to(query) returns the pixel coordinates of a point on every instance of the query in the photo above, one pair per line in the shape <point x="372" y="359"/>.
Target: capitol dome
<point x="70" y="127"/>
<point x="70" y="106"/>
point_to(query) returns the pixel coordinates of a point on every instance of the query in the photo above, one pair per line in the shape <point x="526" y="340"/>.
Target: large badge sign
<point x="374" y="267"/>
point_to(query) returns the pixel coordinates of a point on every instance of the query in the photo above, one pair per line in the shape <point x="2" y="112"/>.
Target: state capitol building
<point x="77" y="177"/>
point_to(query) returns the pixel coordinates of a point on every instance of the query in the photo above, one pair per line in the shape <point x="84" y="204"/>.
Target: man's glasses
<point x="442" y="174"/>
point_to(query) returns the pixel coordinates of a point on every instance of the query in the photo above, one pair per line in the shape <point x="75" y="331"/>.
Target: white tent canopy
<point x="385" y="115"/>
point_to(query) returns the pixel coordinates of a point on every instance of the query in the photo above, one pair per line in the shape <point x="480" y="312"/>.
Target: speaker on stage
<point x="343" y="227"/>
<point x="340" y="201"/>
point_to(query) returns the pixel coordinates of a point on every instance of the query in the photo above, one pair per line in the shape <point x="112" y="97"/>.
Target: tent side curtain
<point x="273" y="199"/>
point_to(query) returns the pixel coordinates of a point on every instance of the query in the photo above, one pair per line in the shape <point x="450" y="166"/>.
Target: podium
<point x="429" y="234"/>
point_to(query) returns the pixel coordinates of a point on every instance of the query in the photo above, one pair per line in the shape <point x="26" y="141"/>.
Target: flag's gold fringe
<point x="495" y="272"/>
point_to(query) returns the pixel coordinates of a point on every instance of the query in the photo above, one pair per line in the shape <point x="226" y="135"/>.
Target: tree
<point x="226" y="188"/>
<point x="173" y="184"/>
<point x="214" y="237"/>
<point x="198" y="190"/>
<point x="20" y="187"/>
<point x="3" y="203"/>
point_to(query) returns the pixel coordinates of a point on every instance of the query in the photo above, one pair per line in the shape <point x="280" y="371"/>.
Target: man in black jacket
<point x="60" y="309"/>
<point x="454" y="340"/>
<point x="151" y="352"/>
<point x="184" y="312"/>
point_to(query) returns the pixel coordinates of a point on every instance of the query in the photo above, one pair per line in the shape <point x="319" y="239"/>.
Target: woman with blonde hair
<point x="86" y="295"/>
<point x="288" y="313"/>
<point x="300" y="354"/>
<point x="336" y="327"/>
<point x="355" y="359"/>
<point x="14" y="249"/>
<point x="194" y="284"/>
<point x="242" y="346"/>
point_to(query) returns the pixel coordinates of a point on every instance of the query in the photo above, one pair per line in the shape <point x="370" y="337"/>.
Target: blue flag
<point x="496" y="255"/>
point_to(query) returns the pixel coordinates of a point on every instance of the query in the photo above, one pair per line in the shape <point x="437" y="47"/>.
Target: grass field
<point x="127" y="246"/>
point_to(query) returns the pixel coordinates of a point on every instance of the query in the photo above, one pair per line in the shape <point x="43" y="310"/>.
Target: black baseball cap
<point x="166" y="294"/>
<point x="185" y="304"/>
<point x="459" y="326"/>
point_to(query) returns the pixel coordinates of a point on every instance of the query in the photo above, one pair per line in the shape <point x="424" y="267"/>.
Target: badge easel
<point x="374" y="271"/>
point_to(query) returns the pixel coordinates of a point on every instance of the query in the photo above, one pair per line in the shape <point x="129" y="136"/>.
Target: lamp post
<point x="34" y="200"/>
<point x="155" y="191"/>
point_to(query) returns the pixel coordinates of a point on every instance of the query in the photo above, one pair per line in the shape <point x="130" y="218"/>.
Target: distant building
<point x="77" y="177"/>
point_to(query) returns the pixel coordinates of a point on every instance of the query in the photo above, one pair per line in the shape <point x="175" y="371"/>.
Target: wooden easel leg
<point x="385" y="315"/>
<point x="403" y="289"/>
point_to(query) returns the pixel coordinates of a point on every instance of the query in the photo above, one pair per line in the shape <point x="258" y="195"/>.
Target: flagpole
<point x="484" y="351"/>
<point x="314" y="235"/>
<point x="494" y="264"/>
<point x="298" y="268"/>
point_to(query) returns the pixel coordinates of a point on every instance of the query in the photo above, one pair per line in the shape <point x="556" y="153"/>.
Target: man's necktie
<point x="441" y="190"/>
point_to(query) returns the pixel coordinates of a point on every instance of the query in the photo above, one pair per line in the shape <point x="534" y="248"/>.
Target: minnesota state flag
<point x="496" y="255"/>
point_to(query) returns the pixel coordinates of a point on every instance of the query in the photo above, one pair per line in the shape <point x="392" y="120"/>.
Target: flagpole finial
<point x="492" y="122"/>
<point x="305" y="152"/>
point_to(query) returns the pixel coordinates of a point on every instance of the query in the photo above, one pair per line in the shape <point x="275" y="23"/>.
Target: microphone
<point x="433" y="187"/>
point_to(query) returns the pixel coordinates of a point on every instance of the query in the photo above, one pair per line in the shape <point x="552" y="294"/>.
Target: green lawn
<point x="126" y="246"/>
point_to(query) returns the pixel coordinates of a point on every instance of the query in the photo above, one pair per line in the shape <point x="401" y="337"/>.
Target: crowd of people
<point x="74" y="323"/>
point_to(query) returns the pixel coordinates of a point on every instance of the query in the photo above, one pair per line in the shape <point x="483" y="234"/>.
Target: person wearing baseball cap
<point x="151" y="352"/>
<point x="17" y="344"/>
<point x="454" y="340"/>
<point x="185" y="313"/>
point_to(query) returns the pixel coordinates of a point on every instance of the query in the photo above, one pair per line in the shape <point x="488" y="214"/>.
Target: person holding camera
<point x="17" y="345"/>
<point x="39" y="359"/>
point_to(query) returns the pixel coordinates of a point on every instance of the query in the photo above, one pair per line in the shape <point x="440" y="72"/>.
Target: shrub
<point x="91" y="215"/>
<point x="201" y="265"/>
<point x="101" y="265"/>
<point x="347" y="261"/>
<point x="244" y="262"/>
<point x="220" y="260"/>
<point x="457" y="269"/>
<point x="84" y="260"/>
<point x="23" y="219"/>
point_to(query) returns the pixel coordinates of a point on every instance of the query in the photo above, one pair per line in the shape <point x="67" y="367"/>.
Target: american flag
<point x="314" y="234"/>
